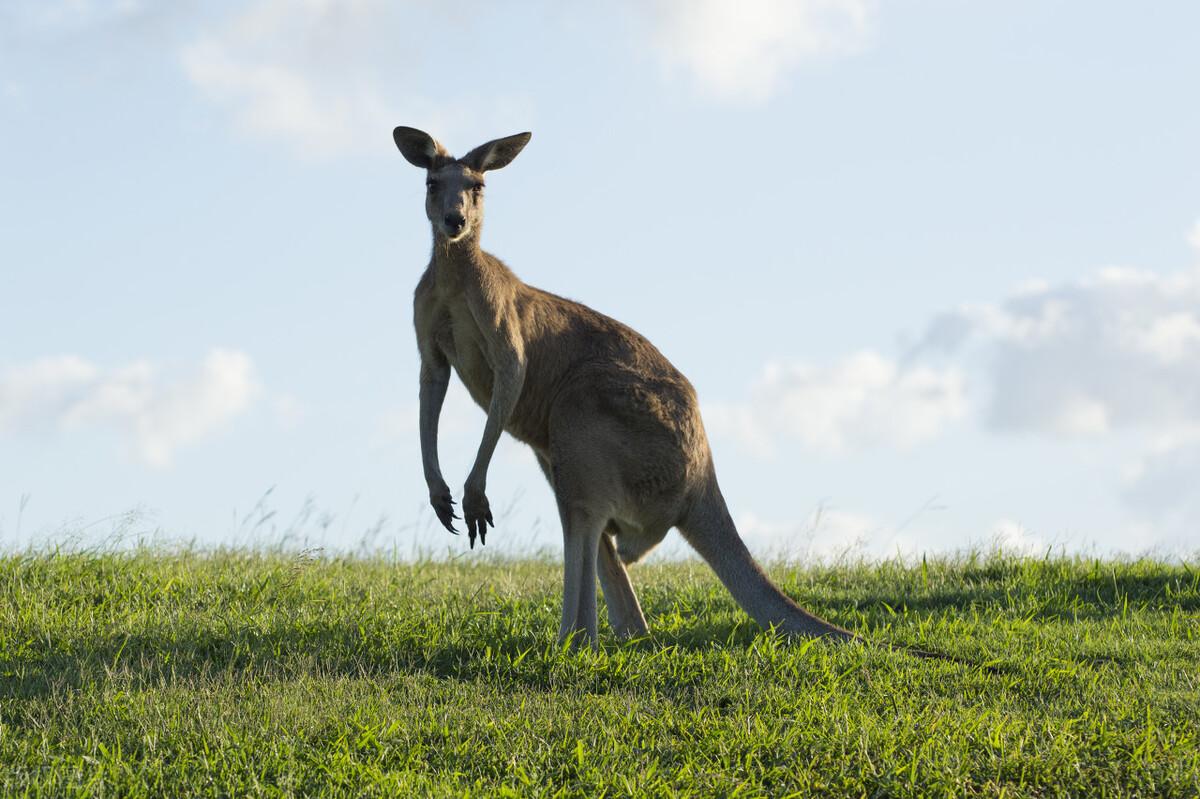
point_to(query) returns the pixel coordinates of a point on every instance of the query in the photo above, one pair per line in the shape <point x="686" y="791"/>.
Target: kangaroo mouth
<point x="452" y="234"/>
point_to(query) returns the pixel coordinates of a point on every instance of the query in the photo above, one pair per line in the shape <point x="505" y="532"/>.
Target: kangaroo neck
<point x="457" y="261"/>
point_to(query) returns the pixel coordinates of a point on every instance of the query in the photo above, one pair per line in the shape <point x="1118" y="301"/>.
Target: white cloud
<point x="31" y="393"/>
<point x="157" y="416"/>
<point x="824" y="535"/>
<point x="1117" y="350"/>
<point x="1167" y="474"/>
<point x="1013" y="537"/>
<point x="866" y="400"/>
<point x="273" y="100"/>
<point x="829" y="534"/>
<point x="742" y="51"/>
<point x="1161" y="487"/>
<point x="330" y="78"/>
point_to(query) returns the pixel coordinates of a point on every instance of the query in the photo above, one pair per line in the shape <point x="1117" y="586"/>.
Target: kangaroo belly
<point x="634" y="540"/>
<point x="476" y="375"/>
<point x="464" y="351"/>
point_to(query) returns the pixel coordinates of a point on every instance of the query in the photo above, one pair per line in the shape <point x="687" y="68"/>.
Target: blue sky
<point x="933" y="266"/>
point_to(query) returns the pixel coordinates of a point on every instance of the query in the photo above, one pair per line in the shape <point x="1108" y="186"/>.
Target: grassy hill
<point x="152" y="673"/>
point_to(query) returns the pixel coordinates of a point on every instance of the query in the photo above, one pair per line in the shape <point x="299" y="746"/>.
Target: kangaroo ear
<point x="496" y="153"/>
<point x="418" y="147"/>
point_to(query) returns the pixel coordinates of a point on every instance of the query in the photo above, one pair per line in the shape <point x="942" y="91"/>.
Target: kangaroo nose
<point x="455" y="222"/>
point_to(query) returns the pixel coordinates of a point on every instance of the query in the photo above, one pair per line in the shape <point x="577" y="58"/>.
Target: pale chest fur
<point x="459" y="339"/>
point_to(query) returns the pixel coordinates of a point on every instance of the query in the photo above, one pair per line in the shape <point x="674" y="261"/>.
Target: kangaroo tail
<point x="710" y="530"/>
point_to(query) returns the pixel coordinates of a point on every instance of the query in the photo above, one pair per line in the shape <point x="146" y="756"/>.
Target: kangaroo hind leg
<point x="624" y="612"/>
<point x="582" y="531"/>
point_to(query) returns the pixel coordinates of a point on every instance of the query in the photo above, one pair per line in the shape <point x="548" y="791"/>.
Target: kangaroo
<point x="615" y="427"/>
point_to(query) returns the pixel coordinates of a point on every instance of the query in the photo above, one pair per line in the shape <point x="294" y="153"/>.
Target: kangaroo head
<point x="454" y="186"/>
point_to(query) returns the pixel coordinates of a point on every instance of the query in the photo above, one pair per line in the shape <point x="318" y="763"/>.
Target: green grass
<point x="232" y="674"/>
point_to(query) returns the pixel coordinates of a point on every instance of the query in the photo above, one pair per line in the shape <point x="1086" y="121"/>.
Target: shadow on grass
<point x="527" y="661"/>
<point x="378" y="648"/>
<point x="1099" y="596"/>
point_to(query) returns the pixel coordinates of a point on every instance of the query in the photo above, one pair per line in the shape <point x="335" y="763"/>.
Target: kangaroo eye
<point x="478" y="187"/>
<point x="431" y="185"/>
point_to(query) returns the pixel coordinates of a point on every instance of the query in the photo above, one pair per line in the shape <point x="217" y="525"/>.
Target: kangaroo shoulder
<point x="424" y="293"/>
<point x="429" y="310"/>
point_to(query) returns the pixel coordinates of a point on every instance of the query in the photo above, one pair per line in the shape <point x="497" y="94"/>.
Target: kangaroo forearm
<point x="504" y="400"/>
<point x="433" y="394"/>
<point x="487" y="448"/>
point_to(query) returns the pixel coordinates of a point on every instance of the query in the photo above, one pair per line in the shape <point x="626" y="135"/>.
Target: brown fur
<point x="615" y="426"/>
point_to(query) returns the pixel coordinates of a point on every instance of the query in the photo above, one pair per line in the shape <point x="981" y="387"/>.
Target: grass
<point x="151" y="673"/>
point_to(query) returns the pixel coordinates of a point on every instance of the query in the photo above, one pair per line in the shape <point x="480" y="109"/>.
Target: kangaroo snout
<point x="454" y="223"/>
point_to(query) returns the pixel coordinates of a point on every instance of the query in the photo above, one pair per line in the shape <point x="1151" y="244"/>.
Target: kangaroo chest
<point x="458" y="337"/>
